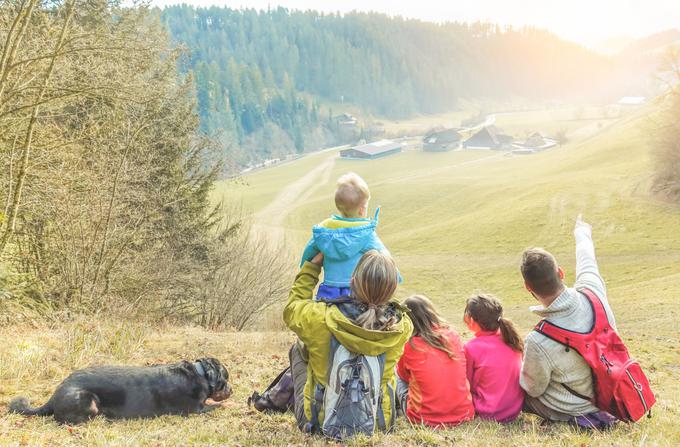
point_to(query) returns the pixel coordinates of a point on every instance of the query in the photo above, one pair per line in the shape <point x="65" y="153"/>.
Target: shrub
<point x="106" y="202"/>
<point x="667" y="179"/>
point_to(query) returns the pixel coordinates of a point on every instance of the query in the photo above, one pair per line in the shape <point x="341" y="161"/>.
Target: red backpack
<point x="621" y="387"/>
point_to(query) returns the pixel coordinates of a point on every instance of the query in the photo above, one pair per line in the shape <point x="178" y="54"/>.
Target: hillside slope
<point x="456" y="223"/>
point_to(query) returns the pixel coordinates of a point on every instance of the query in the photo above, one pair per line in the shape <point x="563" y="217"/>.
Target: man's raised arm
<point x="587" y="272"/>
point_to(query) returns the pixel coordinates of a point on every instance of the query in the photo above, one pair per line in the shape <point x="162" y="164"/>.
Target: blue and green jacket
<point x="343" y="241"/>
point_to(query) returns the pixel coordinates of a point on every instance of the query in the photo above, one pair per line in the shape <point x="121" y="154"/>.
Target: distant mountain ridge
<point x="269" y="77"/>
<point x="639" y="68"/>
<point x="654" y="43"/>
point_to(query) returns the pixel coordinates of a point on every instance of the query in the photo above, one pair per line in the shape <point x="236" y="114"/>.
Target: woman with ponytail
<point x="494" y="360"/>
<point x="433" y="389"/>
<point x="367" y="322"/>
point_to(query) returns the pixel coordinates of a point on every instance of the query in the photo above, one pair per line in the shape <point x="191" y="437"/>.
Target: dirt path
<point x="269" y="220"/>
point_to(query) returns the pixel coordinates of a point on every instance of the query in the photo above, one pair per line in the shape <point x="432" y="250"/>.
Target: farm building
<point x="631" y="101"/>
<point x="346" y="120"/>
<point x="347" y="126"/>
<point x="523" y="151"/>
<point x="489" y="137"/>
<point x="373" y="150"/>
<point x="624" y="105"/>
<point x="443" y="140"/>
<point x="536" y="142"/>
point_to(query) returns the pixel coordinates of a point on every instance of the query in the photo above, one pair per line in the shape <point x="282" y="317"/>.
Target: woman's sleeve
<point x="298" y="313"/>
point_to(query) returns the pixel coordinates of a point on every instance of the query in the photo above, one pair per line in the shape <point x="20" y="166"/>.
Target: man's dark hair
<point x="539" y="269"/>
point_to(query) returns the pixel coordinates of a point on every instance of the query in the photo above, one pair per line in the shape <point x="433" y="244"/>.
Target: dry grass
<point x="456" y="224"/>
<point x="33" y="364"/>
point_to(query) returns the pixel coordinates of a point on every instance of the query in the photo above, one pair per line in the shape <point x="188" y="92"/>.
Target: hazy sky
<point x="584" y="21"/>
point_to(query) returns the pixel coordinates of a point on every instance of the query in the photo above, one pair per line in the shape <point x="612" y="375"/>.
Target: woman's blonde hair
<point x="374" y="282"/>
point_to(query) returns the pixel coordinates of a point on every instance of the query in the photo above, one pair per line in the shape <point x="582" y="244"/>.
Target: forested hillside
<point x="265" y="75"/>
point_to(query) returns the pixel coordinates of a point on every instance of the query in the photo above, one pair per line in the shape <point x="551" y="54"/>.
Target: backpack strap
<point x="278" y="378"/>
<point x="317" y="403"/>
<point x="380" y="414"/>
<point x="577" y="394"/>
<point x="335" y="301"/>
<point x="600" y="319"/>
<point x="574" y="339"/>
<point x="319" y="390"/>
<point x="577" y="341"/>
<point x="556" y="333"/>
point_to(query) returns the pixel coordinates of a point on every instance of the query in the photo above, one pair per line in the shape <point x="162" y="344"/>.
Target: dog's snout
<point x="222" y="394"/>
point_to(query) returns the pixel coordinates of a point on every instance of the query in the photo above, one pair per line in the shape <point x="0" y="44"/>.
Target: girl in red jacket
<point x="433" y="389"/>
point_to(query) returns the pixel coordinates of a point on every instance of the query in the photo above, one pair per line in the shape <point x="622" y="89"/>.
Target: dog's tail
<point x="22" y="406"/>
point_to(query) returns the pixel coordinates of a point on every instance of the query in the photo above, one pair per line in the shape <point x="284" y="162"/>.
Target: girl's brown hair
<point x="427" y="324"/>
<point x="374" y="281"/>
<point x="487" y="311"/>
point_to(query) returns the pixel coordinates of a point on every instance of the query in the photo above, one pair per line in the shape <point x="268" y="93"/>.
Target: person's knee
<point x="298" y="351"/>
<point x="298" y="368"/>
<point x="402" y="394"/>
<point x="534" y="406"/>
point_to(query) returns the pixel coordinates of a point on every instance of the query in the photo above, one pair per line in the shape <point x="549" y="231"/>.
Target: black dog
<point x="134" y="392"/>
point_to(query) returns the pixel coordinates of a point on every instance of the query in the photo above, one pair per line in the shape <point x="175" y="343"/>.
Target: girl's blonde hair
<point x="487" y="311"/>
<point x="374" y="282"/>
<point x="427" y="324"/>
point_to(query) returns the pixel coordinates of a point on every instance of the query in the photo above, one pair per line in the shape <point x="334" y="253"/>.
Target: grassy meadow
<point x="456" y="223"/>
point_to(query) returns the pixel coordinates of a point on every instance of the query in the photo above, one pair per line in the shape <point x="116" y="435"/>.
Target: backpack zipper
<point x="638" y="388"/>
<point x="607" y="363"/>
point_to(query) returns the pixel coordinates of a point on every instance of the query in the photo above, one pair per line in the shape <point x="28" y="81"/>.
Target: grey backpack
<point x="352" y="399"/>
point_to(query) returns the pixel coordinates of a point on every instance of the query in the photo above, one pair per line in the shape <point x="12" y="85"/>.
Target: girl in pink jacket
<point x="494" y="360"/>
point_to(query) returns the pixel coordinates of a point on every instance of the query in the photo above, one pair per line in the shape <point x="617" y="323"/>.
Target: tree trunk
<point x="10" y="49"/>
<point x="23" y="162"/>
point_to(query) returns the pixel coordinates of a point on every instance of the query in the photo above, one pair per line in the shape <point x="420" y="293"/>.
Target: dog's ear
<point x="215" y="372"/>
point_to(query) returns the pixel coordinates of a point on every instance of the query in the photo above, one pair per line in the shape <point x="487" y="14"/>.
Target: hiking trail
<point x="269" y="220"/>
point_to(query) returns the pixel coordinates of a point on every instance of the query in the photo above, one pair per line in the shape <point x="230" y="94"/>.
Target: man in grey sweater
<point x="548" y="366"/>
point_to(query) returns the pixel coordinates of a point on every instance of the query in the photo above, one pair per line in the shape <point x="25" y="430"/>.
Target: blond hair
<point x="351" y="194"/>
<point x="374" y="281"/>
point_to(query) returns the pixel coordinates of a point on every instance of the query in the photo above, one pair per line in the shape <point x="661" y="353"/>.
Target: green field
<point x="456" y="223"/>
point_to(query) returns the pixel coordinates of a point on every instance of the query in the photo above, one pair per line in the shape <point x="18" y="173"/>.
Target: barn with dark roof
<point x="489" y="137"/>
<point x="536" y="142"/>
<point x="442" y="140"/>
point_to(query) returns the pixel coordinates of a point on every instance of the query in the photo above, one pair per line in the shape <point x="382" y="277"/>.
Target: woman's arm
<point x="295" y="314"/>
